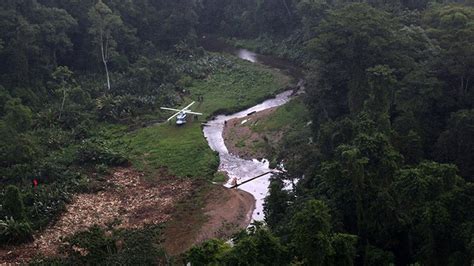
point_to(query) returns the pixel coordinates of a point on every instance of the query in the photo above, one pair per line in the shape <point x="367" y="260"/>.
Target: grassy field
<point x="290" y="121"/>
<point x="236" y="88"/>
<point x="293" y="115"/>
<point x="269" y="133"/>
<point x="183" y="151"/>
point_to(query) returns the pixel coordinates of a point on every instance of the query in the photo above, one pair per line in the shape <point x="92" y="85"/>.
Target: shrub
<point x="90" y="247"/>
<point x="185" y="81"/>
<point x="94" y="151"/>
<point x="48" y="203"/>
<point x="13" y="203"/>
<point x="219" y="177"/>
<point x="17" y="115"/>
<point x="210" y="252"/>
<point x="114" y="247"/>
<point x="14" y="232"/>
<point x="140" y="247"/>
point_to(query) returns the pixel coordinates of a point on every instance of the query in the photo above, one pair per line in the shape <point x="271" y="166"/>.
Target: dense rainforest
<point x="385" y="177"/>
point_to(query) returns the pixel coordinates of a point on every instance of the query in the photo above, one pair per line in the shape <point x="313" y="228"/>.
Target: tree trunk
<point x="107" y="74"/>
<point x="466" y="90"/>
<point x="55" y="60"/>
<point x="62" y="104"/>
<point x="104" y="59"/>
<point x="287" y="9"/>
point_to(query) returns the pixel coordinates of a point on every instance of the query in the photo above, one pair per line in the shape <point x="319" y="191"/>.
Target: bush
<point x="14" y="232"/>
<point x="220" y="177"/>
<point x="114" y="247"/>
<point x="48" y="204"/>
<point x="211" y="252"/>
<point x="140" y="247"/>
<point x="13" y="204"/>
<point x="185" y="81"/>
<point x="124" y="107"/>
<point x="18" y="116"/>
<point x="90" y="247"/>
<point x="94" y="151"/>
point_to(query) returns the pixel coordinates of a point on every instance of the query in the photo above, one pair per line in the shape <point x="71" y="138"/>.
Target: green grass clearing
<point x="273" y="133"/>
<point x="236" y="88"/>
<point x="290" y="121"/>
<point x="292" y="115"/>
<point x="183" y="151"/>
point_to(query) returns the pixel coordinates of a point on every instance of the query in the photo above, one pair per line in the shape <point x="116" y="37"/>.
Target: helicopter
<point x="180" y="114"/>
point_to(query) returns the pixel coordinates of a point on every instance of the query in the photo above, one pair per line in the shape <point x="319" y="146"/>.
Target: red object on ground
<point x="35" y="182"/>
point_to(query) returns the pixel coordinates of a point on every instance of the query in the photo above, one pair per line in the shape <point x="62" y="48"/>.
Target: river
<point x="233" y="165"/>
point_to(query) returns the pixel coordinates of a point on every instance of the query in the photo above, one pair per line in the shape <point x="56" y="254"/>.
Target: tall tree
<point x="64" y="83"/>
<point x="18" y="116"/>
<point x="276" y="203"/>
<point x="350" y="40"/>
<point x="453" y="27"/>
<point x="456" y="143"/>
<point x="55" y="27"/>
<point x="311" y="12"/>
<point x="431" y="202"/>
<point x="104" y="24"/>
<point x="313" y="239"/>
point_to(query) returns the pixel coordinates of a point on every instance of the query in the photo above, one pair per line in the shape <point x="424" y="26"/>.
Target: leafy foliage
<point x="15" y="228"/>
<point x="386" y="177"/>
<point x="455" y="143"/>
<point x="111" y="246"/>
<point x="257" y="246"/>
<point x="14" y="232"/>
<point x="390" y="105"/>
<point x="311" y="237"/>
<point x="13" y="204"/>
<point x="208" y="253"/>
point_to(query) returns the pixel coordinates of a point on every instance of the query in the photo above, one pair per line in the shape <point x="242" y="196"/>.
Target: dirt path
<point x="226" y="211"/>
<point x="227" y="216"/>
<point x="126" y="197"/>
<point x="136" y="202"/>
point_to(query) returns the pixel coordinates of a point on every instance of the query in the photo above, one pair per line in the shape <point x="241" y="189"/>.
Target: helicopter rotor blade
<point x="171" y="117"/>
<point x="184" y="109"/>
<point x="193" y="113"/>
<point x="170" y="109"/>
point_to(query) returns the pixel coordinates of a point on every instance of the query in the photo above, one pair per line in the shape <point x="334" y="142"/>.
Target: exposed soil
<point x="136" y="202"/>
<point x="127" y="197"/>
<point x="242" y="141"/>
<point x="226" y="211"/>
<point x="227" y="217"/>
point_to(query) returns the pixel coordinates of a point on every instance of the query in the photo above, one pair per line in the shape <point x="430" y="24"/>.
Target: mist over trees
<point x="388" y="179"/>
<point x="390" y="105"/>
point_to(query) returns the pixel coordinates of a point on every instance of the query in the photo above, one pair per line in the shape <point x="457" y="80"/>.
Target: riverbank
<point x="183" y="151"/>
<point x="239" y="169"/>
<point x="212" y="211"/>
<point x="202" y="210"/>
<point x="265" y="134"/>
<point x="243" y="141"/>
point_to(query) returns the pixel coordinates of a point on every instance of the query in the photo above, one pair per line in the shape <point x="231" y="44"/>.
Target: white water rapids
<point x="237" y="167"/>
